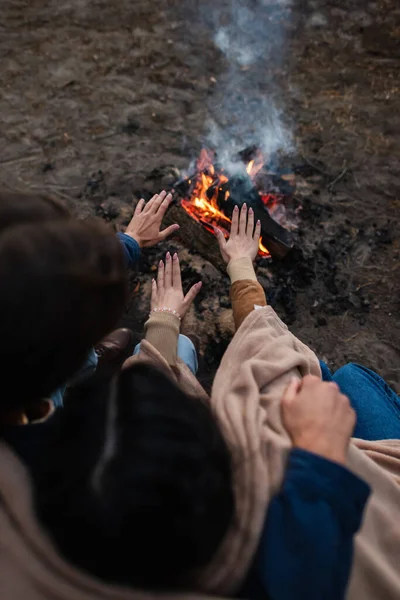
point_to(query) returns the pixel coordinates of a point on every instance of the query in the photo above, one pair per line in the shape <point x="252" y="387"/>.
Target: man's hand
<point x="318" y="417"/>
<point x="146" y="221"/>
<point x="243" y="240"/>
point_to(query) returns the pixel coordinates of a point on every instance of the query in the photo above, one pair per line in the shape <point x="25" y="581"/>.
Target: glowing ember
<point x="206" y="188"/>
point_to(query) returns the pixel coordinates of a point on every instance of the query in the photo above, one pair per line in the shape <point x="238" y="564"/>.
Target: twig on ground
<point x="339" y="177"/>
<point x="360" y="287"/>
<point x="351" y="338"/>
<point x="20" y="157"/>
<point x="314" y="166"/>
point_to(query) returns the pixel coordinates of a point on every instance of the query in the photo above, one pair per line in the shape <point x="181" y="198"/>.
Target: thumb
<point x="191" y="295"/>
<point x="221" y="238"/>
<point x="291" y="391"/>
<point x="167" y="232"/>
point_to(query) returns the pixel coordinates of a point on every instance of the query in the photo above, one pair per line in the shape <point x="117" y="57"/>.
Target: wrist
<point x="165" y="309"/>
<point x="241" y="268"/>
<point x="322" y="448"/>
<point x="138" y="240"/>
<point x="234" y="257"/>
<point x="136" y="237"/>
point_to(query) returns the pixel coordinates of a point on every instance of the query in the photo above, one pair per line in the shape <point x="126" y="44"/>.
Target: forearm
<point x="162" y="331"/>
<point x="307" y="544"/>
<point x="246" y="292"/>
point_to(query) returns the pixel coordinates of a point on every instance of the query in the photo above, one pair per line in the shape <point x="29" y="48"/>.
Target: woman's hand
<point x="318" y="417"/>
<point x="244" y="238"/>
<point x="167" y="291"/>
<point x="146" y="221"/>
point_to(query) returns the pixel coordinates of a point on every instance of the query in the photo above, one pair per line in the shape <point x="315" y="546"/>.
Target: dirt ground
<point x="96" y="96"/>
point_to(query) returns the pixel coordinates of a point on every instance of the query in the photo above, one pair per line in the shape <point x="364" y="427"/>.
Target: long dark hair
<point x="19" y="208"/>
<point x="62" y="288"/>
<point x="136" y="487"/>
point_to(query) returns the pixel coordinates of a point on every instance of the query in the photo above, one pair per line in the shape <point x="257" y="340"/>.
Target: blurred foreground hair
<point x="17" y="208"/>
<point x="141" y="492"/>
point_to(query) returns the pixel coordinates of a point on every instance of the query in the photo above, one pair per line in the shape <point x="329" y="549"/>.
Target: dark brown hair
<point x="18" y="208"/>
<point x="62" y="288"/>
<point x="141" y="493"/>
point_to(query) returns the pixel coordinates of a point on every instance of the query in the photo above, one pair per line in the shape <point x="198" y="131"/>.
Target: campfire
<point x="210" y="193"/>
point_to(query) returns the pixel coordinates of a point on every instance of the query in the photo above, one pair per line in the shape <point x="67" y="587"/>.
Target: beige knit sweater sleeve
<point x="162" y="331"/>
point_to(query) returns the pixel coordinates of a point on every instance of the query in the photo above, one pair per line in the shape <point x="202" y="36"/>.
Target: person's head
<point x="17" y="208"/>
<point x="62" y="288"/>
<point x="141" y="493"/>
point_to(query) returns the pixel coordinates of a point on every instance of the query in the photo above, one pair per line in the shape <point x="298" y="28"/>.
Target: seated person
<point x="376" y="404"/>
<point x="63" y="287"/>
<point x="142" y="495"/>
<point x="143" y="231"/>
<point x="174" y="464"/>
<point x="246" y="397"/>
<point x="261" y="360"/>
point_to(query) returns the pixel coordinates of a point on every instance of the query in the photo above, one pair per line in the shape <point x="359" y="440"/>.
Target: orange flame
<point x="203" y="202"/>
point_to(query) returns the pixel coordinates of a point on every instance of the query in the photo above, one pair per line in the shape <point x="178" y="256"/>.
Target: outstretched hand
<point x="146" y="221"/>
<point x="244" y="238"/>
<point x="318" y="417"/>
<point x="167" y="293"/>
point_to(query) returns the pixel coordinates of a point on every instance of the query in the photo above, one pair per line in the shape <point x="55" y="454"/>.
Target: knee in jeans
<point x="347" y="376"/>
<point x="348" y="369"/>
<point x="186" y="342"/>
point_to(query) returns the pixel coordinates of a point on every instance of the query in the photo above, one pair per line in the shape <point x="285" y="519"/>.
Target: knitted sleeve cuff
<point x="162" y="331"/>
<point x="241" y="268"/>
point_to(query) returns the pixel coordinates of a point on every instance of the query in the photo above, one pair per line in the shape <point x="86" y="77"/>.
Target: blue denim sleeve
<point x="131" y="249"/>
<point x="306" y="548"/>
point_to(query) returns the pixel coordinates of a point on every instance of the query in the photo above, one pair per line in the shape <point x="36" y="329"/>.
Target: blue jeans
<point x="377" y="406"/>
<point x="186" y="352"/>
<point x="87" y="369"/>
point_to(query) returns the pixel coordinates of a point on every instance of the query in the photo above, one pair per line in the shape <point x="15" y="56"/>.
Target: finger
<point x="128" y="363"/>
<point x="309" y="380"/>
<point x="176" y="273"/>
<point x="257" y="231"/>
<point x="243" y="220"/>
<point x="191" y="295"/>
<point x="291" y="391"/>
<point x="154" y="294"/>
<point x="334" y="386"/>
<point x="250" y="224"/>
<point x="160" y="278"/>
<point x="167" y="232"/>
<point x="139" y="207"/>
<point x="168" y="271"/>
<point x="221" y="238"/>
<point x="164" y="205"/>
<point x="353" y="418"/>
<point x="154" y="203"/>
<point x="344" y="400"/>
<point x="235" y="222"/>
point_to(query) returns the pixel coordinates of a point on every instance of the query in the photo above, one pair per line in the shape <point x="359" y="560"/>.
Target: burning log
<point x="209" y="196"/>
<point x="194" y="235"/>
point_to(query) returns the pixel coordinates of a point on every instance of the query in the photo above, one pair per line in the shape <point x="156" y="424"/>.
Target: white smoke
<point x="246" y="106"/>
